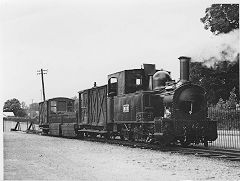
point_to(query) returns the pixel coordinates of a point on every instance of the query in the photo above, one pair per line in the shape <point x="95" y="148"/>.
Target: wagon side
<point x="93" y="111"/>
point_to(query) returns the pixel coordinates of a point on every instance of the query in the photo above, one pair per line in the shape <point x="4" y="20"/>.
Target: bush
<point x="231" y="103"/>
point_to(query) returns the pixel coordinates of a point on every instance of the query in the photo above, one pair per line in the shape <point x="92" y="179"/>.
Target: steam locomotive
<point x="143" y="105"/>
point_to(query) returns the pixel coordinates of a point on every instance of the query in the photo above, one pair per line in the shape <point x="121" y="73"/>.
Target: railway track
<point x="231" y="155"/>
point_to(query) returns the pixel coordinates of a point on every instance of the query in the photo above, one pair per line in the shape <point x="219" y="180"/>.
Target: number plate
<point x="126" y="108"/>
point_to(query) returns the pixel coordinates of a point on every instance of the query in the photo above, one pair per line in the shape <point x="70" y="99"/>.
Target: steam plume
<point x="224" y="47"/>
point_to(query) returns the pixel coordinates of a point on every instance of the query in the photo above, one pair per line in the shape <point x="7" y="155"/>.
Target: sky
<point x="80" y="42"/>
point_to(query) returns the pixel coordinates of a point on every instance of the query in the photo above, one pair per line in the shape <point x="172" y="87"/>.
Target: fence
<point x="16" y="123"/>
<point x="228" y="126"/>
<point x="9" y="125"/>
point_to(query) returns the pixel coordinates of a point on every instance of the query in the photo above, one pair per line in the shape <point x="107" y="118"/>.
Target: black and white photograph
<point x="120" y="90"/>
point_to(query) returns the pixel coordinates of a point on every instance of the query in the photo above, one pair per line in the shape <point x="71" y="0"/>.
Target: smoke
<point x="223" y="47"/>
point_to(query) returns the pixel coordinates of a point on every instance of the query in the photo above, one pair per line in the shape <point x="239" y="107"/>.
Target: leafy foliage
<point x="232" y="100"/>
<point x="221" y="18"/>
<point x="221" y="104"/>
<point x="230" y="103"/>
<point x="218" y="80"/>
<point x="14" y="106"/>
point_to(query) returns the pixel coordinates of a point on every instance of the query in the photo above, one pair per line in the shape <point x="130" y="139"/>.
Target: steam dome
<point x="160" y="78"/>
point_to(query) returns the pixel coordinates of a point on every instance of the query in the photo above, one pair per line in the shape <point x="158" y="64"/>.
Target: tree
<point x="202" y="75"/>
<point x="218" y="80"/>
<point x="231" y="103"/>
<point x="223" y="75"/>
<point x="232" y="100"/>
<point x="221" y="18"/>
<point x="34" y="107"/>
<point x="24" y="105"/>
<point x="14" y="106"/>
<point x="221" y="104"/>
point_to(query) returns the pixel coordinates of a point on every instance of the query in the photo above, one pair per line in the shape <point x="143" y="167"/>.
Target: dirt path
<point x="34" y="157"/>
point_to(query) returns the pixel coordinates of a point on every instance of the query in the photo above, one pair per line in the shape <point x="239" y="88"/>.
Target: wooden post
<point x="42" y="72"/>
<point x="43" y="86"/>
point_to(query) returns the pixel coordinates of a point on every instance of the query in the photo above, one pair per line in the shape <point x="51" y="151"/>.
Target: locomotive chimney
<point x="184" y="68"/>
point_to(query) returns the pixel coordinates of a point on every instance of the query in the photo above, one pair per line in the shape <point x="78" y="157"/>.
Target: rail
<point x="227" y="154"/>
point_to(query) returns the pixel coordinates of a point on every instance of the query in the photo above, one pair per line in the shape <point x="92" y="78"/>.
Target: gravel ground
<point x="34" y="157"/>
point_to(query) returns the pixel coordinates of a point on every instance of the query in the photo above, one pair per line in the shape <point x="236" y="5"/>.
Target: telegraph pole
<point x="42" y="72"/>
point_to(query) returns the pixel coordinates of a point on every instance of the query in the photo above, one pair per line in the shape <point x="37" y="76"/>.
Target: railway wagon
<point x="93" y="111"/>
<point x="57" y="117"/>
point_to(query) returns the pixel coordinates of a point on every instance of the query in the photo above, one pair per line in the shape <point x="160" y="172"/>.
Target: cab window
<point x="53" y="106"/>
<point x="61" y="106"/>
<point x="112" y="86"/>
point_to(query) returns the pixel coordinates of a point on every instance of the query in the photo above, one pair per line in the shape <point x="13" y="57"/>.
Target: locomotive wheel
<point x="80" y="135"/>
<point x="94" y="135"/>
<point x="107" y="136"/>
<point x="205" y="143"/>
<point x="45" y="131"/>
<point x="167" y="134"/>
<point x="128" y="136"/>
<point x="138" y="135"/>
<point x="121" y="137"/>
<point x="149" y="139"/>
<point x="184" y="142"/>
<point x="135" y="135"/>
